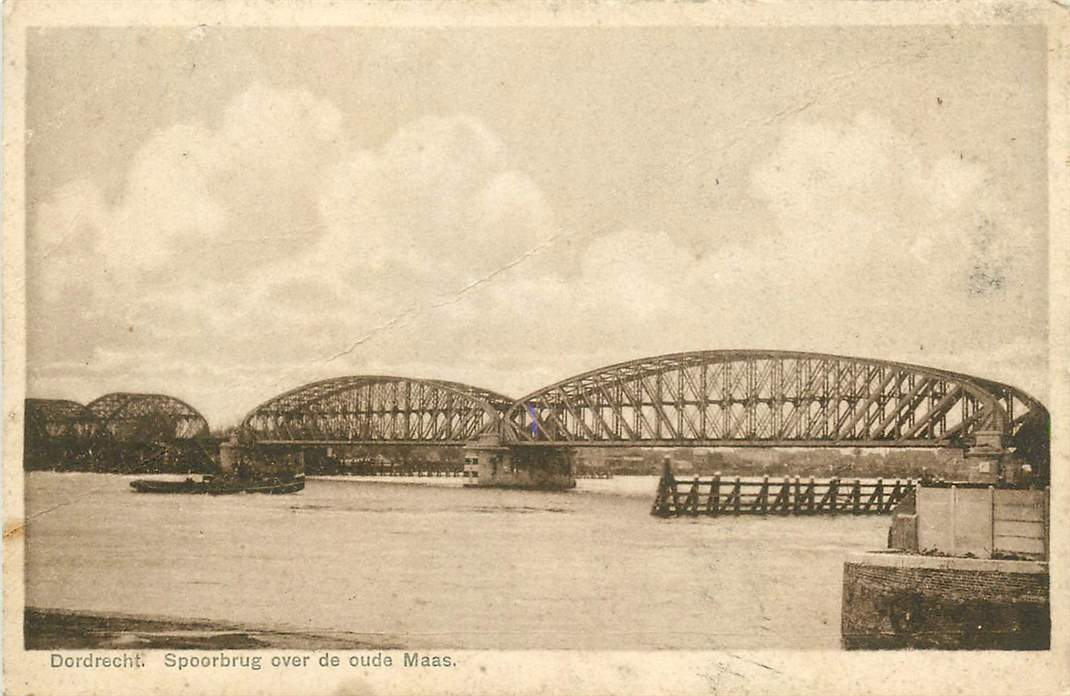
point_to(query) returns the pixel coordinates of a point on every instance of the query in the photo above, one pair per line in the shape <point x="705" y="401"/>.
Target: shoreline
<point x="65" y="629"/>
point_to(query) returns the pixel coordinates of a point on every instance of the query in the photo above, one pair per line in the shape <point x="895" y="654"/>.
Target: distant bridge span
<point x="131" y="417"/>
<point x="117" y="432"/>
<point x="726" y="398"/>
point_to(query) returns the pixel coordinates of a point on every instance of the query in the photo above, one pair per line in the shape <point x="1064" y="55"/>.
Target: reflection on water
<point x="440" y="565"/>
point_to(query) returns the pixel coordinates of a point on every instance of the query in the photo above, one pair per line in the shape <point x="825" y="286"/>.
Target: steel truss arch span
<point x="131" y="418"/>
<point x="377" y="409"/>
<point x="57" y="418"/>
<point x="58" y="433"/>
<point x="772" y="398"/>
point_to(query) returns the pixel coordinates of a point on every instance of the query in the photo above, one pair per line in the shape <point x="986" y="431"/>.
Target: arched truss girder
<point x="50" y="419"/>
<point x="362" y="409"/>
<point x="771" y="398"/>
<point x="148" y="418"/>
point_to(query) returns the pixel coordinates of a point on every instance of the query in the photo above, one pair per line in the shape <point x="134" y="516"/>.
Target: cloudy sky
<point x="223" y="214"/>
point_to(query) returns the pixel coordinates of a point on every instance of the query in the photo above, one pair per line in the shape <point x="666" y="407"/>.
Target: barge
<point x="210" y="485"/>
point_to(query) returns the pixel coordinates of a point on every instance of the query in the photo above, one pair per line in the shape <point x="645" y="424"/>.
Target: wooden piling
<point x="714" y="501"/>
<point x="760" y="503"/>
<point x="780" y="504"/>
<point x="692" y="499"/>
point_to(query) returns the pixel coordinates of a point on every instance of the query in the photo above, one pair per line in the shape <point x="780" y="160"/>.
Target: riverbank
<point x="59" y="629"/>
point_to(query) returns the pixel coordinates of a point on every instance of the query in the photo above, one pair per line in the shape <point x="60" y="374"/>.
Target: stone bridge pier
<point x="995" y="463"/>
<point x="497" y="464"/>
<point x="989" y="455"/>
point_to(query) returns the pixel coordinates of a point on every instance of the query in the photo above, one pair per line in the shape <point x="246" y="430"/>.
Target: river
<point x="428" y="563"/>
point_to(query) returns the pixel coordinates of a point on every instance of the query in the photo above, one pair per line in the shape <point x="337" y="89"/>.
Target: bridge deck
<point x="927" y="444"/>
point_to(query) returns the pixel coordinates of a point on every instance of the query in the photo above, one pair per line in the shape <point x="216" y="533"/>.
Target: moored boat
<point x="221" y="486"/>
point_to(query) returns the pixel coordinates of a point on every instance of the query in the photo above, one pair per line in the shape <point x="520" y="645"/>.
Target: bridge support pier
<point x="499" y="465"/>
<point x="247" y="460"/>
<point x="990" y="456"/>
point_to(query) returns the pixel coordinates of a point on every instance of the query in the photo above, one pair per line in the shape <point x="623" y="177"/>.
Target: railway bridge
<point x="119" y="432"/>
<point x="725" y="398"/>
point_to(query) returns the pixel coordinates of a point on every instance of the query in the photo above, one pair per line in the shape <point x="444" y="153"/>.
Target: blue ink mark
<point x="531" y="412"/>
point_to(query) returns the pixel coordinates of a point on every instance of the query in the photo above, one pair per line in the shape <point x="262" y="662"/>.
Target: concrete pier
<point x="496" y="464"/>
<point x="252" y="461"/>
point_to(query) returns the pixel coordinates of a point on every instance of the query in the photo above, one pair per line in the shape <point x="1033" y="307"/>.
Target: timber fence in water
<point x="593" y="474"/>
<point x="419" y="469"/>
<point x="789" y="496"/>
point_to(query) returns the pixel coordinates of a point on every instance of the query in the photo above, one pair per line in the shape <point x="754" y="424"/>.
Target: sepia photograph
<point x="347" y="353"/>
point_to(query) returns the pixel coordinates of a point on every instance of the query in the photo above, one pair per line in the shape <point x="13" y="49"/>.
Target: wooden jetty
<point x="789" y="496"/>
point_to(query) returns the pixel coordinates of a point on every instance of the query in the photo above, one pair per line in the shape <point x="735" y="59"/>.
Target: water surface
<point x="427" y="563"/>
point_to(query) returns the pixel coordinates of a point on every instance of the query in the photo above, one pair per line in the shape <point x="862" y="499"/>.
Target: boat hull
<point x="216" y="487"/>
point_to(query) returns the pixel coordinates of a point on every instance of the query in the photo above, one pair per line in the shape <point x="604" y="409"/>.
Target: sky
<point x="224" y="214"/>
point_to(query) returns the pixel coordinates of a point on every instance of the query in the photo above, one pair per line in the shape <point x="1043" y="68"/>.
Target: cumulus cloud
<point x="268" y="238"/>
<point x="879" y="249"/>
<point x="860" y="195"/>
<point x="926" y="249"/>
<point x="262" y="250"/>
<point x="436" y="206"/>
